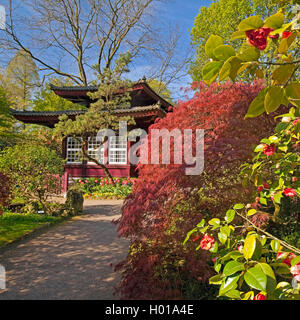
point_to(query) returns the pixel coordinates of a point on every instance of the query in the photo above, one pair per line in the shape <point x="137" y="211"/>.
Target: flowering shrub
<point x="165" y="202"/>
<point x="253" y="267"/>
<point x="103" y="188"/>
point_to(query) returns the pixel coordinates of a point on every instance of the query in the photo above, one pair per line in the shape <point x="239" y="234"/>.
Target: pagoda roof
<point x="50" y="118"/>
<point x="141" y="94"/>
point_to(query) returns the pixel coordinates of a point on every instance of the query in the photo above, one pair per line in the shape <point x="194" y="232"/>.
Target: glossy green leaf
<point x="259" y="148"/>
<point x="275" y="21"/>
<point x="248" y="295"/>
<point x="271" y="279"/>
<point x="275" y="245"/>
<point x="229" y="283"/>
<point x="249" y="54"/>
<point x="274" y="98"/>
<point x="253" y="22"/>
<point x="235" y="255"/>
<point x="256" y="279"/>
<point x="210" y="71"/>
<point x="217" y="279"/>
<point x="230" y="214"/>
<point x="238" y="206"/>
<point x="257" y="106"/>
<point x="214" y="222"/>
<point x="232" y="267"/>
<point x="282" y="268"/>
<point x="201" y="223"/>
<point x="295" y="261"/>
<point x="211" y="44"/>
<point x="233" y="294"/>
<point x="222" y="237"/>
<point x="283" y="73"/>
<point x="223" y="52"/>
<point x="292" y="92"/>
<point x="277" y="197"/>
<point x="263" y="201"/>
<point x="215" y="247"/>
<point x="249" y="246"/>
<point x="188" y="235"/>
<point x="251" y="212"/>
<point x="285" y="43"/>
<point x="226" y="230"/>
<point x="238" y="35"/>
<point x="230" y="68"/>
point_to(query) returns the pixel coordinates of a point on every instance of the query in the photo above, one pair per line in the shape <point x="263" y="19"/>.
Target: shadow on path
<point x="69" y="261"/>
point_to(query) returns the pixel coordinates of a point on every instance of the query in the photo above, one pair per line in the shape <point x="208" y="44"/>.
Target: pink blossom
<point x="295" y="271"/>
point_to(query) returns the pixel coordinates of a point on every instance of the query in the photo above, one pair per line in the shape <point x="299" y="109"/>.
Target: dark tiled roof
<point x="45" y="113"/>
<point x="77" y="112"/>
<point x="74" y="88"/>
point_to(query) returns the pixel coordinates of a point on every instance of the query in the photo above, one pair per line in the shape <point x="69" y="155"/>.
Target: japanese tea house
<point x="146" y="106"/>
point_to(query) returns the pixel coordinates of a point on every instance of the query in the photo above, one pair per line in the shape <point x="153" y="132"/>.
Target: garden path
<point x="69" y="261"/>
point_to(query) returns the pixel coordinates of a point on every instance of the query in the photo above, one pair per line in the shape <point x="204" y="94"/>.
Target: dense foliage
<point x="165" y="202"/>
<point x="222" y="18"/>
<point x="261" y="266"/>
<point x="104" y="188"/>
<point x="4" y="191"/>
<point x="33" y="170"/>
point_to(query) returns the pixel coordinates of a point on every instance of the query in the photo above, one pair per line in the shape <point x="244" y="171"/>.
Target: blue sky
<point x="173" y="12"/>
<point x="182" y="13"/>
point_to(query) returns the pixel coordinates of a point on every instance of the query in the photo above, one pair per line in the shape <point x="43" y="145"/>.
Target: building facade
<point x="145" y="107"/>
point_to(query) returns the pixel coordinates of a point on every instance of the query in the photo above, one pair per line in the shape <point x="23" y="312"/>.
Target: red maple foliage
<point x="4" y="191"/>
<point x="166" y="203"/>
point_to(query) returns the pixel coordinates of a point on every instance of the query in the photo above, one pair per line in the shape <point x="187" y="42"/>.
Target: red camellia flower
<point x="286" y="34"/>
<point x="266" y="185"/>
<point x="207" y="242"/>
<point x="295" y="122"/>
<point x="288" y="259"/>
<point x="260" y="296"/>
<point x="259" y="189"/>
<point x="258" y="37"/>
<point x="269" y="150"/>
<point x="295" y="271"/>
<point x="289" y="192"/>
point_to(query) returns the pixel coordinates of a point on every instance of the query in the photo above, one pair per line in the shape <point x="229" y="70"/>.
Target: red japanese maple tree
<point x="165" y="201"/>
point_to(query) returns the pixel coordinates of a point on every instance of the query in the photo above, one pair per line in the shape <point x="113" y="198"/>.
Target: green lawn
<point x="13" y="225"/>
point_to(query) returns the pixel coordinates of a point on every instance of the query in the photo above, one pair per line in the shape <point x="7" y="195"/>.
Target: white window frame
<point x="116" y="149"/>
<point x="92" y="147"/>
<point x="72" y="149"/>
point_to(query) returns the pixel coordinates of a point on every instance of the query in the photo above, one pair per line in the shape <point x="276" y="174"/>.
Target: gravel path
<point x="69" y="261"/>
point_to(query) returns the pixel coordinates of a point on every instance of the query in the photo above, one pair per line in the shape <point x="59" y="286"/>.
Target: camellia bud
<point x="286" y="119"/>
<point x="260" y="296"/>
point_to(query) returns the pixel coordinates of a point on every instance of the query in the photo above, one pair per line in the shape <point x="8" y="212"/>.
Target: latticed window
<point x="95" y="150"/>
<point x="117" y="150"/>
<point x="74" y="150"/>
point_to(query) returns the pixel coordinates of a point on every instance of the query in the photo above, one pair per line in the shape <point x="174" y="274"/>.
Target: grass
<point x="14" y="226"/>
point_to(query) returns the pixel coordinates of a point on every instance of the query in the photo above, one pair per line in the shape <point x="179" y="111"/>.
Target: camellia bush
<point x="165" y="202"/>
<point x="259" y="265"/>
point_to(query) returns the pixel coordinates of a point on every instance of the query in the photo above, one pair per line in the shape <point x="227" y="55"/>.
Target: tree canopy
<point x="222" y="18"/>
